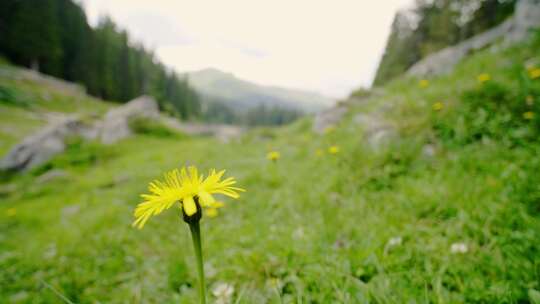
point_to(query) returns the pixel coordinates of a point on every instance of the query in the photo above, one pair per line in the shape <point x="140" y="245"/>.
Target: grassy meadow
<point x="393" y="224"/>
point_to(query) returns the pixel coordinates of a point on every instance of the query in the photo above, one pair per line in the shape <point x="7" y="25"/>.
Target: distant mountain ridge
<point x="215" y="86"/>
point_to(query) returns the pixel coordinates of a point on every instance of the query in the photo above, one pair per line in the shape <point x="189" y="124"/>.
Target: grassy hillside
<point x="361" y="226"/>
<point x="27" y="103"/>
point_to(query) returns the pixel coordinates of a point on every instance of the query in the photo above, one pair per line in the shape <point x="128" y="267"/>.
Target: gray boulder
<point x="526" y="17"/>
<point x="42" y="146"/>
<point x="329" y="118"/>
<point x="51" y="175"/>
<point x="115" y="125"/>
<point x="444" y="60"/>
<point x="377" y="131"/>
<point x="515" y="29"/>
<point x="429" y="150"/>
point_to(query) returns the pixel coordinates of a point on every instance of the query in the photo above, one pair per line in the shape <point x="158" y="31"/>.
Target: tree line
<point x="433" y="25"/>
<point x="260" y="115"/>
<point x="54" y="37"/>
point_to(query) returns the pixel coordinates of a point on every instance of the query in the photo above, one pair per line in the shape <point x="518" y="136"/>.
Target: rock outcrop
<point x="38" y="148"/>
<point x="526" y="17"/>
<point x="329" y="118"/>
<point x="377" y="131"/>
<point x="42" y="146"/>
<point x="115" y="125"/>
<point x="34" y="76"/>
<point x="515" y="29"/>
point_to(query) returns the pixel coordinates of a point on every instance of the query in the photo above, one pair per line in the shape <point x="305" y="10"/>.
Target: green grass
<point x="309" y="229"/>
<point x="152" y="127"/>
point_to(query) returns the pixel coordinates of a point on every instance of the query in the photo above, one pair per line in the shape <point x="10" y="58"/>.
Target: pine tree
<point x="54" y="37"/>
<point x="33" y="35"/>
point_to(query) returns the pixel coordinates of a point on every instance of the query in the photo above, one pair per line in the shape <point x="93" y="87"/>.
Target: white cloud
<point x="319" y="45"/>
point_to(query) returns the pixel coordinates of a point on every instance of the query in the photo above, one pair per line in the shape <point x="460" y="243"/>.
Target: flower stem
<point x="196" y="236"/>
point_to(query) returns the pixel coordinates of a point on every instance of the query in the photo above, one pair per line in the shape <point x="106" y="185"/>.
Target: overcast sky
<point x="330" y="47"/>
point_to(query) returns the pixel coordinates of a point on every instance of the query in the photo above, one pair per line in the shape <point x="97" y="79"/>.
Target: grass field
<point x="387" y="225"/>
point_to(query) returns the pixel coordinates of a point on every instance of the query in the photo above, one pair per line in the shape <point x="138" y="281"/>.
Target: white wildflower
<point x="459" y="248"/>
<point x="223" y="293"/>
<point x="395" y="241"/>
<point x="299" y="233"/>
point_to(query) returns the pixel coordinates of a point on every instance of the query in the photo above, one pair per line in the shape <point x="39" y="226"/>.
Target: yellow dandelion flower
<point x="484" y="77"/>
<point x="186" y="187"/>
<point x="528" y="115"/>
<point x="213" y="211"/>
<point x="11" y="212"/>
<point x="437" y="106"/>
<point x="333" y="150"/>
<point x="424" y="83"/>
<point x="273" y="155"/>
<point x="529" y="100"/>
<point x="534" y="73"/>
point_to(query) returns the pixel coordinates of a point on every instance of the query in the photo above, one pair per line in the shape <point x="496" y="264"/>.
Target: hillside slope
<point x="446" y="212"/>
<point x="29" y="101"/>
<point x="240" y="95"/>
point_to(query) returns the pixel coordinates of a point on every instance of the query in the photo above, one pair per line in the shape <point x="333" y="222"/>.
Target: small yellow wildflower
<point x="319" y="152"/>
<point x="11" y="212"/>
<point x="484" y="77"/>
<point x="528" y="115"/>
<point x="274" y="283"/>
<point x="273" y="155"/>
<point x="187" y="188"/>
<point x="534" y="73"/>
<point x="529" y="100"/>
<point x="333" y="150"/>
<point x="424" y="83"/>
<point x="437" y="106"/>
